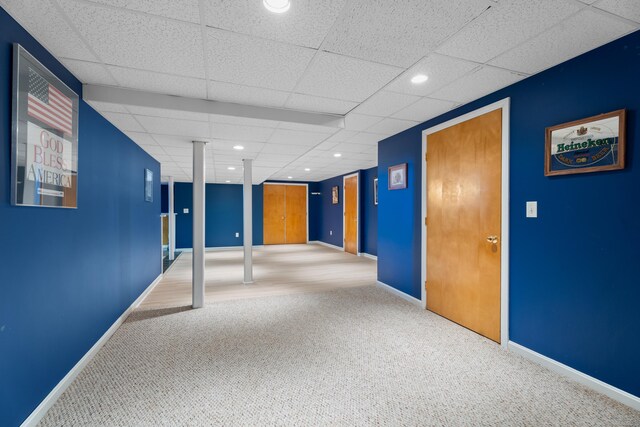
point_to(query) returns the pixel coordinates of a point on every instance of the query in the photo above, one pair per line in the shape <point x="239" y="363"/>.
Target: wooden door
<point x="274" y="214"/>
<point x="351" y="214"/>
<point x="464" y="176"/>
<point x="296" y="214"/>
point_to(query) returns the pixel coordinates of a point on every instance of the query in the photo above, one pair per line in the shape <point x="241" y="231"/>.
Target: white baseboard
<point x="218" y="248"/>
<point x="366" y="255"/>
<point x="584" y="379"/>
<point x="38" y="413"/>
<point x="400" y="293"/>
<point x="328" y="245"/>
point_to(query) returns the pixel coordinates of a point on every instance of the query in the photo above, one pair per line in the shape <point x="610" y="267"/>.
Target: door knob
<point x="492" y="239"/>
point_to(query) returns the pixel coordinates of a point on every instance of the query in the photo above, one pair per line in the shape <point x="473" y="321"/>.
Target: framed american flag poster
<point x="44" y="167"/>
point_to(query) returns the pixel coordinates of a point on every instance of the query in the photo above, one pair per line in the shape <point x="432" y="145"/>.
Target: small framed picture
<point x="334" y="195"/>
<point x="375" y="191"/>
<point x="398" y="177"/>
<point x="593" y="144"/>
<point x="148" y="185"/>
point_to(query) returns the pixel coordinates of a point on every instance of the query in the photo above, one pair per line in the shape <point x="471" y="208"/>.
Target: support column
<point x="198" y="223"/>
<point x="172" y="223"/>
<point x="247" y="221"/>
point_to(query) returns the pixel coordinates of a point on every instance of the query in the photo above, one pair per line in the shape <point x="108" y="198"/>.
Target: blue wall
<point x="164" y="198"/>
<point x="67" y="275"/>
<point x="329" y="222"/>
<point x="574" y="272"/>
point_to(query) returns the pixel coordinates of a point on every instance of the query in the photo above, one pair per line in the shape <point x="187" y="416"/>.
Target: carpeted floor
<point x="358" y="356"/>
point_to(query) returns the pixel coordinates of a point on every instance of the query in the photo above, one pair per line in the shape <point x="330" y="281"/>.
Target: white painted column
<point x="198" y="222"/>
<point x="247" y="221"/>
<point x="172" y="223"/>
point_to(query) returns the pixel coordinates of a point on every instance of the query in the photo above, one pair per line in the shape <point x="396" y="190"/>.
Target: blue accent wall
<point x="368" y="213"/>
<point x="329" y="225"/>
<point x="574" y="292"/>
<point x="68" y="274"/>
<point x="164" y="198"/>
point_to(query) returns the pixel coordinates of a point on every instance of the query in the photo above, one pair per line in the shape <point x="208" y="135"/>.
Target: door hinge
<point x="425" y="285"/>
<point x="425" y="157"/>
<point x="425" y="221"/>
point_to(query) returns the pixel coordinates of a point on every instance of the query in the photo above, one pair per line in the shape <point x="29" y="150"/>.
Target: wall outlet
<point x="330" y="232"/>
<point x="237" y="234"/>
<point x="185" y="210"/>
<point x="532" y="209"/>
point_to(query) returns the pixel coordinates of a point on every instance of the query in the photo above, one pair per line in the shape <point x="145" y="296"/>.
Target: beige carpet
<point x="358" y="356"/>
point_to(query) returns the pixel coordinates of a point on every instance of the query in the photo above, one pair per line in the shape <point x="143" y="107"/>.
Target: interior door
<point x="464" y="181"/>
<point x="274" y="214"/>
<point x="351" y="214"/>
<point x="296" y="214"/>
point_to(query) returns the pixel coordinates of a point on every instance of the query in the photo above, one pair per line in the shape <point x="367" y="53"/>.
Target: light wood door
<point x="351" y="215"/>
<point x="274" y="214"/>
<point x="296" y="214"/>
<point x="464" y="170"/>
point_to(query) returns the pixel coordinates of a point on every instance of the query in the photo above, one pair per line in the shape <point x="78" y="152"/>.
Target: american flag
<point x="48" y="104"/>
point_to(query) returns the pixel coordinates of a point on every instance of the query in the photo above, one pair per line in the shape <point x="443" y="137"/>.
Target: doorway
<point x="350" y="213"/>
<point x="465" y="206"/>
<point x="285" y="217"/>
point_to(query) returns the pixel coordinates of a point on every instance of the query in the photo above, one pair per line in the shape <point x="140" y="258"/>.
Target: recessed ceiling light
<point x="419" y="78"/>
<point x="307" y="169"/>
<point x="337" y="155"/>
<point x="238" y="147"/>
<point x="231" y="168"/>
<point x="277" y="6"/>
<point x="227" y="181"/>
<point x="289" y="177"/>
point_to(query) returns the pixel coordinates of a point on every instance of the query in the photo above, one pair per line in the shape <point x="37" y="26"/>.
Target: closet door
<point x="296" y="214"/>
<point x="274" y="215"/>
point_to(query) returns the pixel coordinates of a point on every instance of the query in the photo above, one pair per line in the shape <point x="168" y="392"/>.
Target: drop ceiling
<point x="345" y="57"/>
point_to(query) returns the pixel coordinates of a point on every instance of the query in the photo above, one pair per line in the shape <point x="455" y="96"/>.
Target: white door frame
<point x="306" y="195"/>
<point x="504" y="254"/>
<point x="344" y="210"/>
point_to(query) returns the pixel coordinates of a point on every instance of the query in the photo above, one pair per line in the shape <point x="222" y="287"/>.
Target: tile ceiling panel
<point x="578" y="34"/>
<point x="506" y="25"/>
<point x="440" y="69"/>
<point x="89" y="72"/>
<point x="140" y="41"/>
<point x="108" y="107"/>
<point x="240" y="59"/>
<point x="391" y="126"/>
<point x="299" y="101"/>
<point x="384" y="104"/>
<point x="368" y="138"/>
<point x="359" y="122"/>
<point x="271" y="148"/>
<point x="164" y="126"/>
<point x="142" y="138"/>
<point x="341" y="77"/>
<point x="286" y="136"/>
<point x="160" y="83"/>
<point x="124" y="122"/>
<point x="183" y="10"/>
<point x="241" y="133"/>
<point x="165" y="141"/>
<point x="229" y="92"/>
<point x="398" y="32"/>
<point x="305" y="24"/>
<point x="225" y="145"/>
<point x="342" y="135"/>
<point x="424" y="109"/>
<point x="477" y="84"/>
<point x="49" y="27"/>
<point x="169" y="114"/>
<point x="629" y="9"/>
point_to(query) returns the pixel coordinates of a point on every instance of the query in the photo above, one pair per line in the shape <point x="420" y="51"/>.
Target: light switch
<point x="185" y="210"/>
<point x="330" y="232"/>
<point x="237" y="234"/>
<point x="532" y="209"/>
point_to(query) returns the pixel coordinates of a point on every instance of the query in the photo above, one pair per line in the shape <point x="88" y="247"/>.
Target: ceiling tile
<point x="424" y="109"/>
<point x="391" y="126"/>
<point x="241" y="133"/>
<point x="173" y="141"/>
<point x="49" y="27"/>
<point x="506" y="25"/>
<point x="384" y="104"/>
<point x="124" y="122"/>
<point x="271" y="148"/>
<point x="137" y="40"/>
<point x="346" y="147"/>
<point x="183" y="10"/>
<point x="368" y="138"/>
<point x="169" y="114"/>
<point x="440" y="69"/>
<point x="477" y="84"/>
<point x="398" y="33"/>
<point x="165" y="126"/>
<point x="305" y="24"/>
<point x="226" y="145"/>
<point x="286" y="136"/>
<point x="141" y="138"/>
<point x="160" y="83"/>
<point x="108" y="107"/>
<point x="578" y="34"/>
<point x="341" y="77"/>
<point x="318" y="104"/>
<point x="629" y="9"/>
<point x="342" y="135"/>
<point x="89" y="72"/>
<point x="229" y="92"/>
<point x="359" y="122"/>
<point x="252" y="61"/>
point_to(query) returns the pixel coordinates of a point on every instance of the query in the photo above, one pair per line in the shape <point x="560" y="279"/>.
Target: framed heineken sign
<point x="589" y="145"/>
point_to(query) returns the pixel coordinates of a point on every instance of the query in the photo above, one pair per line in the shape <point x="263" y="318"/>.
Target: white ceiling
<point x="345" y="57"/>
